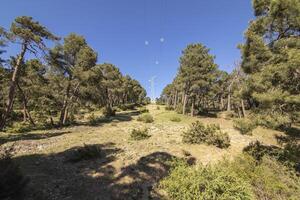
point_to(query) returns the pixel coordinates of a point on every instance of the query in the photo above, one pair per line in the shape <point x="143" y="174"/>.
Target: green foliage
<point x="87" y="152"/>
<point x="204" y="182"/>
<point x="289" y="155"/>
<point x="175" y="119"/>
<point x="12" y="180"/>
<point x="268" y="178"/>
<point x="146" y="117"/>
<point x="108" y="111"/>
<point x="92" y="120"/>
<point x="139" y="134"/>
<point x="19" y="127"/>
<point x="210" y="134"/>
<point x="143" y="110"/>
<point x="273" y="120"/>
<point x="270" y="58"/>
<point x="242" y="178"/>
<point x="244" y="125"/>
<point x="129" y="106"/>
<point x="169" y="108"/>
<point x="178" y="108"/>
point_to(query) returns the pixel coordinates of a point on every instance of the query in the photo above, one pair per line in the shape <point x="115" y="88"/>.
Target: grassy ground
<point x="127" y="169"/>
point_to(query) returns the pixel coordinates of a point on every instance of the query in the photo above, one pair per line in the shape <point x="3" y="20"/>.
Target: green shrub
<point x="129" y="106"/>
<point x="12" y="180"/>
<point x="143" y="110"/>
<point x="269" y="179"/>
<point x="147" y="118"/>
<point x="108" y="111"/>
<point x="157" y="108"/>
<point x="242" y="178"/>
<point x="139" y="134"/>
<point x="92" y="120"/>
<point x="204" y="182"/>
<point x="289" y="155"/>
<point x="273" y="120"/>
<point x="175" y="119"/>
<point x="244" y="125"/>
<point x="211" y="134"/>
<point x="169" y="108"/>
<point x="20" y="127"/>
<point x="86" y="152"/>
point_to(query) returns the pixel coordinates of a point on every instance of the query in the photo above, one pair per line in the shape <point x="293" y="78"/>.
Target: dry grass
<point x="165" y="137"/>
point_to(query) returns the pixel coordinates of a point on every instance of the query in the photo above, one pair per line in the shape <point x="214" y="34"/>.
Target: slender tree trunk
<point x="25" y="107"/>
<point x="228" y="103"/>
<point x="184" y="104"/>
<point x="243" y="108"/>
<point x="12" y="87"/>
<point x="192" y="108"/>
<point x="182" y="98"/>
<point x="222" y="103"/>
<point x="63" y="113"/>
<point x="239" y="112"/>
<point x="24" y="113"/>
<point x="175" y="101"/>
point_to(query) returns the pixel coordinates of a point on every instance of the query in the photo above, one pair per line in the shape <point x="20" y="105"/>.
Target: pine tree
<point x="31" y="35"/>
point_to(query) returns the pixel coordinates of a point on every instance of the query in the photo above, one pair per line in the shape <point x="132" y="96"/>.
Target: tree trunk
<point x="239" y="111"/>
<point x="222" y="103"/>
<point x="192" y="108"/>
<point x="24" y="113"/>
<point x="184" y="104"/>
<point x="243" y="108"/>
<point x="175" y="100"/>
<point x="25" y="107"/>
<point x="12" y="87"/>
<point x="63" y="114"/>
<point x="228" y="103"/>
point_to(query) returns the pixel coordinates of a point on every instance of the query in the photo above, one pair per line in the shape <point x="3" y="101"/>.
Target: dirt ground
<point x="128" y="169"/>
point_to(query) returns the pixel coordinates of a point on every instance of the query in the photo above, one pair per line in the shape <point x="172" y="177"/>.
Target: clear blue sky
<point x="118" y="29"/>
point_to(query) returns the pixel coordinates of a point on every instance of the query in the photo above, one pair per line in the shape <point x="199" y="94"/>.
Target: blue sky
<point x="118" y="29"/>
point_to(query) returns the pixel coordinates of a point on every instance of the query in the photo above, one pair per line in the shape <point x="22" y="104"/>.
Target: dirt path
<point x="128" y="169"/>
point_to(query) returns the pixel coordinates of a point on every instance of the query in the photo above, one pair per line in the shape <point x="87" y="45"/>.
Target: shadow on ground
<point x="291" y="134"/>
<point x="30" y="136"/>
<point x="54" y="177"/>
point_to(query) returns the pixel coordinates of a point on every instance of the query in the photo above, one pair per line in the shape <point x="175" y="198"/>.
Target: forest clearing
<point x="126" y="166"/>
<point x="150" y="100"/>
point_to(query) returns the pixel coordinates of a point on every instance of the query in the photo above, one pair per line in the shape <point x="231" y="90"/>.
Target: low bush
<point x="175" y="119"/>
<point x="143" y="110"/>
<point x="146" y="117"/>
<point x="19" y="127"/>
<point x="210" y="134"/>
<point x="178" y="108"/>
<point x="204" y="182"/>
<point x="157" y="108"/>
<point x="289" y="155"/>
<point x="92" y="120"/>
<point x="139" y="134"/>
<point x="273" y="120"/>
<point x="87" y="152"/>
<point x="169" y="108"/>
<point x="129" y="106"/>
<point x="108" y="111"/>
<point x="244" y="125"/>
<point x="242" y="178"/>
<point x="12" y="180"/>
